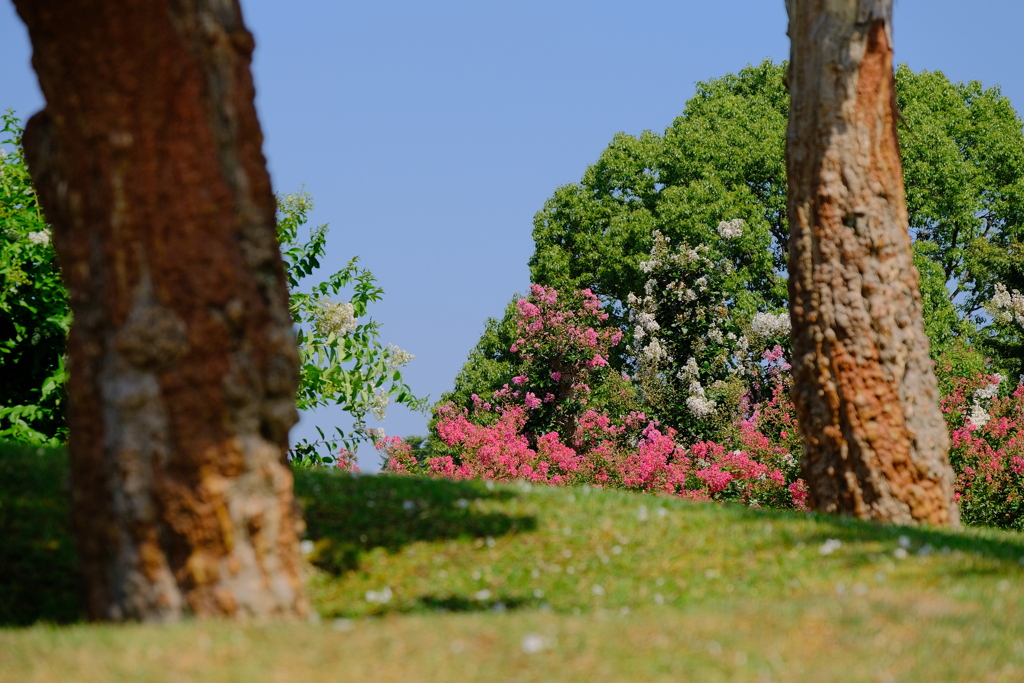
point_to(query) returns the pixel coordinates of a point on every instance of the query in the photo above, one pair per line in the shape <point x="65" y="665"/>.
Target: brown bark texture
<point x="148" y="162"/>
<point x="874" y="442"/>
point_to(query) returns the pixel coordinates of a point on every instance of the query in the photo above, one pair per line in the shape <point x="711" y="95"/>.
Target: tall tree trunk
<point x="874" y="442"/>
<point x="147" y="160"/>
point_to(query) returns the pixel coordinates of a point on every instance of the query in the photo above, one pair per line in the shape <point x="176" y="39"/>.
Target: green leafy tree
<point x="343" y="362"/>
<point x="34" y="312"/>
<point x="491" y="364"/>
<point x="723" y="158"/>
<point x="962" y="149"/>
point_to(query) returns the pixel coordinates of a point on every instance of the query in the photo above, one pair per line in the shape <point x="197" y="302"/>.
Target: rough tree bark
<point x="148" y="162"/>
<point x="874" y="442"/>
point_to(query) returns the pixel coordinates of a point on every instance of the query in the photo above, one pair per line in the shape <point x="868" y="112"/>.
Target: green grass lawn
<point x="429" y="580"/>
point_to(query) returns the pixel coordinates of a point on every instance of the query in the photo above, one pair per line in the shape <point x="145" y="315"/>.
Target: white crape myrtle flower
<point x="731" y="229"/>
<point x="646" y="321"/>
<point x="334" y="318"/>
<point x="1006" y="306"/>
<point x="377" y="433"/>
<point x="397" y="357"/>
<point x="988" y="391"/>
<point x="40" y="237"/>
<point x="768" y="325"/>
<point x="979" y="416"/>
<point x="700" y="406"/>
<point x="653" y="351"/>
<point x="379" y="404"/>
<point x="701" y="283"/>
<point x="689" y="371"/>
<point x="715" y="335"/>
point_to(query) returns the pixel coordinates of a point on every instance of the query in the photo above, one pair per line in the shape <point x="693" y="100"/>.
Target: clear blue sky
<point x="429" y="133"/>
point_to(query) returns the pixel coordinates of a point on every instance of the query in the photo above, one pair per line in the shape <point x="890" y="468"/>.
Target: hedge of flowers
<point x="570" y="419"/>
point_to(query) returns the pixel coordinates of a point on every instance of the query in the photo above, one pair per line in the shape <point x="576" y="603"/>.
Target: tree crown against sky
<point x="723" y="158"/>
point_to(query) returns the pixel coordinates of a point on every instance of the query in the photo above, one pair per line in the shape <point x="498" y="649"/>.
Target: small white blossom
<point x="653" y="351"/>
<point x="700" y="407"/>
<point x="830" y="546"/>
<point x="379" y="404"/>
<point x="397" y="357"/>
<point x="715" y="335"/>
<point x="689" y="371"/>
<point x="646" y="321"/>
<point x="988" y="391"/>
<point x="1006" y="306"/>
<point x="767" y="325"/>
<point x="338" y="319"/>
<point x="731" y="229"/>
<point x="701" y="283"/>
<point x="697" y="403"/>
<point x="41" y="237"/>
<point x="377" y="433"/>
<point x="979" y="416"/>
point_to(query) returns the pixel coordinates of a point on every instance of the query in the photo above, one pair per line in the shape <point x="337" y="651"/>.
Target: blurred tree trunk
<point x="875" y="444"/>
<point x="147" y="160"/>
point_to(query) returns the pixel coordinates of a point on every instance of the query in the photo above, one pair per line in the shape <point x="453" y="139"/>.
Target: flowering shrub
<point x="986" y="423"/>
<point x="547" y="425"/>
<point x="342" y="361"/>
<point x="697" y="330"/>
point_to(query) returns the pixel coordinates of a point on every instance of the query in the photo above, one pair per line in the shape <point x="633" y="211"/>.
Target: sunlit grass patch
<point x="426" y="579"/>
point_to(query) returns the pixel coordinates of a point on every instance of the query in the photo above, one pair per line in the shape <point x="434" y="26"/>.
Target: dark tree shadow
<point x="455" y="603"/>
<point x="347" y="515"/>
<point x="988" y="543"/>
<point x="39" y="578"/>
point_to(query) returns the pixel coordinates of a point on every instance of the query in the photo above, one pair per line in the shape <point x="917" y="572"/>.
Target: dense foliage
<point x="722" y="160"/>
<point x="34" y="311"/>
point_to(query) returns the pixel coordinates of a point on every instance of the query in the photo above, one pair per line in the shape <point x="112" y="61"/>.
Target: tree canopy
<point x="722" y="159"/>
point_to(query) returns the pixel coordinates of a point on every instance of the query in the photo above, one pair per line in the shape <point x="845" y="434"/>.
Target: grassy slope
<point x="608" y="586"/>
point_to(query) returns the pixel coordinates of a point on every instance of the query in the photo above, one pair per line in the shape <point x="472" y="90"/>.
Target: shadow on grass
<point x="433" y="604"/>
<point x="996" y="544"/>
<point x="38" y="565"/>
<point x="348" y="515"/>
